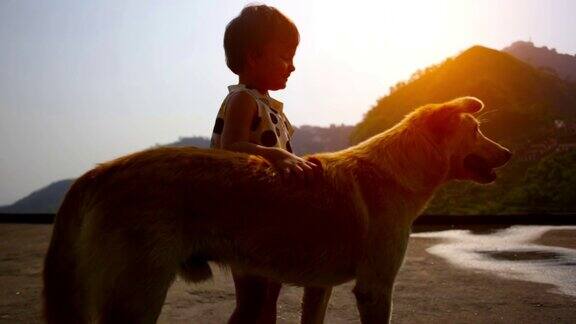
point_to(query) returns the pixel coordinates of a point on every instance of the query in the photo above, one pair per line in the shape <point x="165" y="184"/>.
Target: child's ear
<point x="252" y="57"/>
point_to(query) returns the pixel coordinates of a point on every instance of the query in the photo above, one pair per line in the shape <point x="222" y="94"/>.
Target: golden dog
<point x="127" y="227"/>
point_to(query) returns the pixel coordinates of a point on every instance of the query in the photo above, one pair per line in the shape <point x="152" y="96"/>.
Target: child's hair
<point x="256" y="26"/>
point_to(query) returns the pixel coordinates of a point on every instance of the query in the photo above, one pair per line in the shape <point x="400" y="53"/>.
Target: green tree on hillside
<point x="549" y="186"/>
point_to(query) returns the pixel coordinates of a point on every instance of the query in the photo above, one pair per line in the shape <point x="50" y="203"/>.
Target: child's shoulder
<point x="242" y="100"/>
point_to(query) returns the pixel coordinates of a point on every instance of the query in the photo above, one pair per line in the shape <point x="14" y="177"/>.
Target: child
<point x="260" y="44"/>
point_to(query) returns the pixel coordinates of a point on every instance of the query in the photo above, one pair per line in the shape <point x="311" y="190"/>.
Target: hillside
<point x="524" y="100"/>
<point x="530" y="110"/>
<point x="563" y="65"/>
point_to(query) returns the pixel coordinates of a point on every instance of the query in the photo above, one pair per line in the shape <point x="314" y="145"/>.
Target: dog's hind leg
<point x="64" y="287"/>
<point x="63" y="291"/>
<point x="314" y="304"/>
<point x="129" y="274"/>
<point x="256" y="299"/>
<point x="137" y="295"/>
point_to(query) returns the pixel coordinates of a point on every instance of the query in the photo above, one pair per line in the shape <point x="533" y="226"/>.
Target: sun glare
<point x="391" y="38"/>
<point x="372" y="45"/>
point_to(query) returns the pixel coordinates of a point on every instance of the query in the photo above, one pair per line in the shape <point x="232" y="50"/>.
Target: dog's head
<point x="455" y="131"/>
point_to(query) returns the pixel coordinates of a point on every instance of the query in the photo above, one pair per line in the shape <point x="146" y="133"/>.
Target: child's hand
<point x="289" y="164"/>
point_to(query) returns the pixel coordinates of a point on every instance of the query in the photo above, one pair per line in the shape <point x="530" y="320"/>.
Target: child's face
<point x="273" y="66"/>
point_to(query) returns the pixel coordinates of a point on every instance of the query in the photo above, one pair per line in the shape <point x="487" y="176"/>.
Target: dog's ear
<point x="467" y="104"/>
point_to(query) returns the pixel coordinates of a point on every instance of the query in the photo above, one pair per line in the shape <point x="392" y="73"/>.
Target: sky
<point x="83" y="82"/>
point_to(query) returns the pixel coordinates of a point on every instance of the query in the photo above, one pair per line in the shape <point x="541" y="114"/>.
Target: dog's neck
<point x="408" y="156"/>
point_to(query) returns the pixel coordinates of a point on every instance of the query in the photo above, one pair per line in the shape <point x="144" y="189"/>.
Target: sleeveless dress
<point x="269" y="126"/>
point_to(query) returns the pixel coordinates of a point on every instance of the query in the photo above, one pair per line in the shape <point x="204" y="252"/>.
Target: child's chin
<point x="280" y="85"/>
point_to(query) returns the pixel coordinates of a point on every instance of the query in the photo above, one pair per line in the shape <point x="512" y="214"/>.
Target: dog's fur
<point x="127" y="227"/>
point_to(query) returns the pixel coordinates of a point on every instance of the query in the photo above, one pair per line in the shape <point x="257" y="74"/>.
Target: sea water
<point x="510" y="253"/>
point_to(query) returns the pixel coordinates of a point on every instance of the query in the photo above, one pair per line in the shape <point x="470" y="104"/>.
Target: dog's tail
<point x="62" y="300"/>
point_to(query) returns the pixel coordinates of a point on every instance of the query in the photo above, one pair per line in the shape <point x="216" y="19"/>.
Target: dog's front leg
<point x="376" y="275"/>
<point x="314" y="304"/>
<point x="374" y="304"/>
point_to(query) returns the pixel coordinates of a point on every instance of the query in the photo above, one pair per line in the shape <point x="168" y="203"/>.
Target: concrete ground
<point x="428" y="290"/>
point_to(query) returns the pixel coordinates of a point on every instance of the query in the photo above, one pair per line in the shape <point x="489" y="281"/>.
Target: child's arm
<point x="235" y="137"/>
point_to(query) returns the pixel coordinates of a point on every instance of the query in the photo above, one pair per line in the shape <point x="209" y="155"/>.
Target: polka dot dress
<point x="269" y="126"/>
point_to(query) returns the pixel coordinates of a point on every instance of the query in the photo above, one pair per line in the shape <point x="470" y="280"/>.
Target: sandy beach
<point x="428" y="289"/>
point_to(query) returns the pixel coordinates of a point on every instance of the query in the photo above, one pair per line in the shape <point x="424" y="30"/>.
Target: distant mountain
<point x="314" y="139"/>
<point x="530" y="110"/>
<point x="44" y="200"/>
<point x="563" y="65"/>
<point x="198" y="141"/>
<point x="307" y="139"/>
